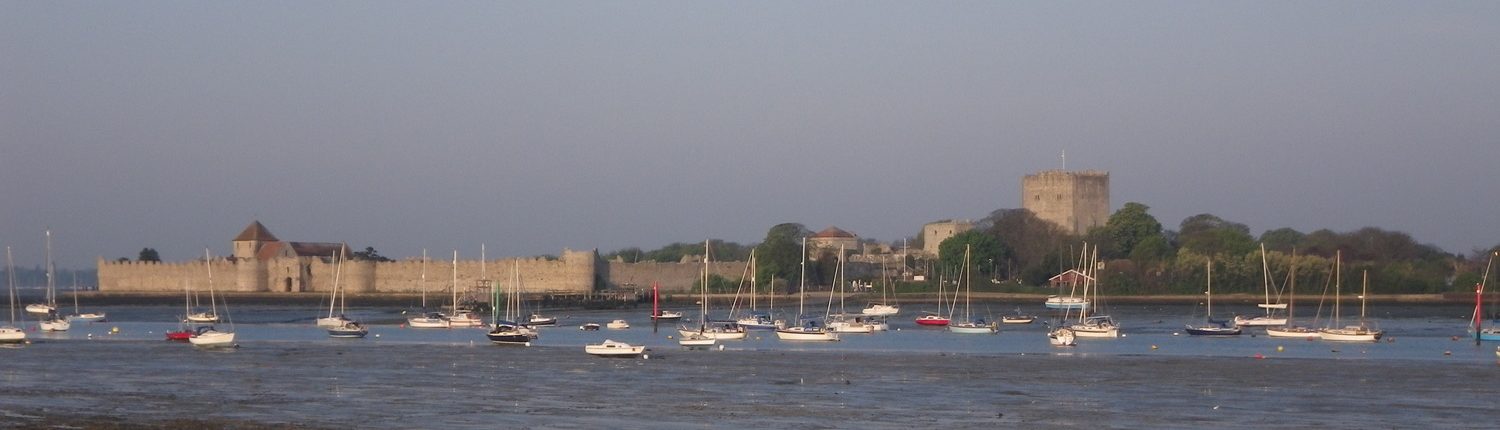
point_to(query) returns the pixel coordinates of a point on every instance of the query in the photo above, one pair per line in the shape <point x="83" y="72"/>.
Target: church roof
<point x="256" y="232"/>
<point x="832" y="232"/>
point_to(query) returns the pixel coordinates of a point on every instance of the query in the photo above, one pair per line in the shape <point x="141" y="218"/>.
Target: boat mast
<point x="51" y="295"/>
<point x="338" y="268"/>
<point x="1265" y="276"/>
<point x="10" y="275"/>
<point x="455" y="283"/>
<point x="424" y="279"/>
<point x="703" y="304"/>
<point x="802" y="281"/>
<point x="1364" y="291"/>
<point x="1210" y="291"/>
<point x="968" y="277"/>
<point x="1338" y="256"/>
<point x="1291" y="288"/>
<point x="754" y="287"/>
<point x="1478" y="298"/>
<point x="213" y="303"/>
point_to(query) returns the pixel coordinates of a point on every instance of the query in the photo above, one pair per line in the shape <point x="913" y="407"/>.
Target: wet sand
<point x="141" y="384"/>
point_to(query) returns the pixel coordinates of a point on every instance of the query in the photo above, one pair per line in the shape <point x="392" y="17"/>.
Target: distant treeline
<point x="1139" y="256"/>
<point x="37" y="277"/>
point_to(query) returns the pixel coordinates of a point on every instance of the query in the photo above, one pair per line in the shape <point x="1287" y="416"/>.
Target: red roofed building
<point x="832" y="238"/>
<point x="257" y="242"/>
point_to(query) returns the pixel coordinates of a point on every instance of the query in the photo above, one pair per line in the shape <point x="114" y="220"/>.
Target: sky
<point x="530" y="127"/>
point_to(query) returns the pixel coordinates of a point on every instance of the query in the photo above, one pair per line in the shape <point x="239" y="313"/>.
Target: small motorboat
<point x="202" y="318"/>
<point x="610" y="348"/>
<point x="429" y="320"/>
<point x="539" y="320"/>
<point x="86" y="317"/>
<point x="589" y="327"/>
<point x="1017" y="319"/>
<point x="667" y="316"/>
<point x="618" y="325"/>
<point x="12" y="335"/>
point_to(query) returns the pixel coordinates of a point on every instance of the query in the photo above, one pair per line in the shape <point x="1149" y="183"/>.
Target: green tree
<point x="1281" y="239"/>
<point x="1130" y="226"/>
<point x="1033" y="244"/>
<point x="984" y="252"/>
<point x="780" y="254"/>
<point x="1210" y="235"/>
<point x="369" y="254"/>
<point x="149" y="254"/>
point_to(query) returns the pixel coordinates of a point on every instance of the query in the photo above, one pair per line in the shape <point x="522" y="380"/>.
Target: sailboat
<point x="701" y="338"/>
<point x="335" y="318"/>
<point x="347" y="328"/>
<point x="212" y="315"/>
<point x="1481" y="333"/>
<point x="209" y="336"/>
<point x="729" y="331"/>
<point x="1212" y="328"/>
<point x="52" y="322"/>
<point x="1072" y="301"/>
<point x="48" y="305"/>
<point x="969" y="325"/>
<point x="506" y="330"/>
<point x="1352" y="333"/>
<point x="1093" y="326"/>
<point x="1289" y="329"/>
<point x="758" y="320"/>
<point x="938" y="318"/>
<point x="1270" y="318"/>
<point x="11" y="333"/>
<point x="842" y="322"/>
<point x="463" y="317"/>
<point x="805" y="329"/>
<point x="82" y="316"/>
<point x="427" y="319"/>
<point x="885" y="307"/>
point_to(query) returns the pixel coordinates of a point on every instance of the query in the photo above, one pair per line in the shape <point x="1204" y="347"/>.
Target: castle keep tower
<point x="1077" y="201"/>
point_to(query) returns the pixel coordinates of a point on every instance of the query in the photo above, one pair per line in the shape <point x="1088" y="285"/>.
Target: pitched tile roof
<point x="255" y="231"/>
<point x="833" y="232"/>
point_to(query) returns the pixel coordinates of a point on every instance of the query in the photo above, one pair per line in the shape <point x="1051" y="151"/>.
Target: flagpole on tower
<point x="1065" y="159"/>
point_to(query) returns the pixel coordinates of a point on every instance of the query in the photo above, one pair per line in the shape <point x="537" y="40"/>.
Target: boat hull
<point x="611" y="348"/>
<point x="202" y="318"/>
<point x="40" y="309"/>
<point x="55" y="325"/>
<point x="802" y="334"/>
<point x="12" y="335"/>
<point x="1489" y="334"/>
<point x="1017" y="319"/>
<point x="332" y="322"/>
<point x="427" y="323"/>
<point x="1292" y="332"/>
<point x="1061" y="337"/>
<point x="617" y="325"/>
<point x="86" y="318"/>
<point x="212" y="339"/>
<point x="881" y="310"/>
<point x="971" y="328"/>
<point x="932" y="320"/>
<point x="720" y="335"/>
<point x="1213" y="331"/>
<point x="1260" y="321"/>
<point x="509" y="338"/>
<point x="1066" y="303"/>
<point x="179" y="335"/>
<point x="1350" y="334"/>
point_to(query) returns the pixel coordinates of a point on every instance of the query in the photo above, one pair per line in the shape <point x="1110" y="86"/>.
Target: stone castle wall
<point x="1077" y="201"/>
<point x="671" y="277"/>
<point x="574" y="272"/>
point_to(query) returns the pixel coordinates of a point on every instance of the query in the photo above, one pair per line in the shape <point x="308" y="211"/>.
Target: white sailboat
<point x="210" y="336"/>
<point x="335" y="318"/>
<point x="1094" y="326"/>
<point x="806" y="330"/>
<point x="705" y="328"/>
<point x="968" y="325"/>
<point x="1289" y="329"/>
<point x="756" y="319"/>
<point x="11" y="333"/>
<point x="206" y="317"/>
<point x="1351" y="333"/>
<point x="426" y="319"/>
<point x="52" y="322"/>
<point x="460" y="317"/>
<point x="49" y="304"/>
<point x="1271" y="318"/>
<point x="842" y="322"/>
<point x="82" y="316"/>
<point x="885" y="307"/>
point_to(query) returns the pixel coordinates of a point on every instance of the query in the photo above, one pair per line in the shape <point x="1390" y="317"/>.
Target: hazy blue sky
<point x="534" y="126"/>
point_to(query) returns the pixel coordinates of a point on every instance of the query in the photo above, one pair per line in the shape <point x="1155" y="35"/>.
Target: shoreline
<point x="677" y="299"/>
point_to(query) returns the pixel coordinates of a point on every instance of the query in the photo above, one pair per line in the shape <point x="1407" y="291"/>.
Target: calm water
<point x="287" y="372"/>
